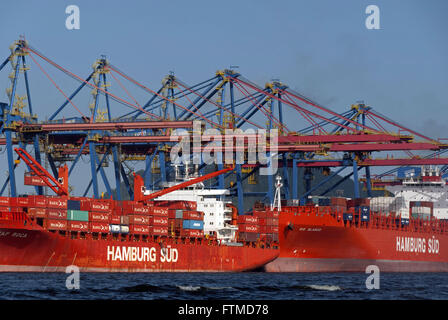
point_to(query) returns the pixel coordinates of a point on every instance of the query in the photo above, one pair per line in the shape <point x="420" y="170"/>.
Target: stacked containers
<point x="36" y="206"/>
<point x="193" y="224"/>
<point x="139" y="219"/>
<point x="186" y="222"/>
<point x="159" y="221"/>
<point x="268" y="225"/>
<point x="78" y="220"/>
<point x="361" y="207"/>
<point x="421" y="209"/>
<point x="99" y="215"/>
<point x="248" y="227"/>
<point x="56" y="214"/>
<point x="338" y="204"/>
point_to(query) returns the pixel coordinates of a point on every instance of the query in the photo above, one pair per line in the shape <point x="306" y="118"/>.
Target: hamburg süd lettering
<point x="417" y="245"/>
<point x="141" y="254"/>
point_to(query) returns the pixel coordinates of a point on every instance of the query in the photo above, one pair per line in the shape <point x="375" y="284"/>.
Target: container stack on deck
<point x="187" y="223"/>
<point x="262" y="225"/>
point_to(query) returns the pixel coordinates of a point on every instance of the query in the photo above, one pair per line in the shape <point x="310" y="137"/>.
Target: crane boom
<point x="60" y="188"/>
<point x="138" y="185"/>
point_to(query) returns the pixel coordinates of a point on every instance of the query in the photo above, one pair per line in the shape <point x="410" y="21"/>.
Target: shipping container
<point x="193" y="215"/>
<point x="268" y="229"/>
<point x="139" y="229"/>
<point x="159" y="211"/>
<point x="114" y="219"/>
<point x="53" y="213"/>
<point x="77" y="215"/>
<point x="158" y="221"/>
<point x="56" y="224"/>
<point x="248" y="236"/>
<point x="124" y="219"/>
<point x="100" y="227"/>
<point x="114" y="228"/>
<point x="139" y="219"/>
<point x="38" y="212"/>
<point x="192" y="233"/>
<point x="78" y="226"/>
<point x="56" y="202"/>
<point x="100" y="217"/>
<point x="193" y="224"/>
<point x="159" y="231"/>
<point x="347" y="216"/>
<point x="124" y="229"/>
<point x="98" y="205"/>
<point x="247" y="219"/>
<point x="73" y="205"/>
<point x="248" y="228"/>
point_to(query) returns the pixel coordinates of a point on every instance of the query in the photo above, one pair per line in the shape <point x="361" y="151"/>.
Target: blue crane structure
<point x="298" y="131"/>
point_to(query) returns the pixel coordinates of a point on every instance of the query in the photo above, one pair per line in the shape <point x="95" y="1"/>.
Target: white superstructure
<point x="212" y="202"/>
<point x="429" y="186"/>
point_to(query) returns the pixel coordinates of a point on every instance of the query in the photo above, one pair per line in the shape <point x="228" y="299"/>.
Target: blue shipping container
<point x="73" y="205"/>
<point x="347" y="217"/>
<point x="193" y="224"/>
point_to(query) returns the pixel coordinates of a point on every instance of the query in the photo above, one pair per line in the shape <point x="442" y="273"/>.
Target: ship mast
<point x="277" y="197"/>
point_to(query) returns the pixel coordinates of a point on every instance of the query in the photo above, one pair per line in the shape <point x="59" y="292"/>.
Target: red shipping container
<point x="160" y="211"/>
<point x="269" y="229"/>
<point x="272" y="214"/>
<point x="268" y="221"/>
<point x="57" y="203"/>
<point x="56" y="213"/>
<point x="247" y="219"/>
<point x="139" y="219"/>
<point x="82" y="226"/>
<point x="23" y="202"/>
<point x="140" y="209"/>
<point x="56" y="224"/>
<point x="115" y="219"/>
<point x="4" y="201"/>
<point x="40" y="202"/>
<point x="38" y="212"/>
<point x="99" y="217"/>
<point x="248" y="236"/>
<point x="100" y="205"/>
<point x="3" y="209"/>
<point x="192" y="233"/>
<point x="159" y="231"/>
<point x="85" y="205"/>
<point x="139" y="229"/>
<point x="193" y="215"/>
<point x="158" y="221"/>
<point x="260" y="214"/>
<point x="99" y="227"/>
<point x="248" y="228"/>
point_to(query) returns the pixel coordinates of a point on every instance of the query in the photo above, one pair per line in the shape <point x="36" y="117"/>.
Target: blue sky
<point x="320" y="48"/>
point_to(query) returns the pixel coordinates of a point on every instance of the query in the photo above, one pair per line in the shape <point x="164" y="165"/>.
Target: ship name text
<point x="417" y="245"/>
<point x="141" y="254"/>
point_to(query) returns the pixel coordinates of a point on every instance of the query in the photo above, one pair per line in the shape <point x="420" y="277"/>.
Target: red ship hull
<point x="323" y="242"/>
<point x="31" y="250"/>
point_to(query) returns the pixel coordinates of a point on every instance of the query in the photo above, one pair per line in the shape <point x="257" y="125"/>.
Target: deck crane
<point x="59" y="186"/>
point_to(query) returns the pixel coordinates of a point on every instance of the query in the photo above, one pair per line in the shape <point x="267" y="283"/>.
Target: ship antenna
<point x="277" y="198"/>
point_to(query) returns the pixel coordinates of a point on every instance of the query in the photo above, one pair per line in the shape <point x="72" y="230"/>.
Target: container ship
<point x="152" y="233"/>
<point x="407" y="232"/>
